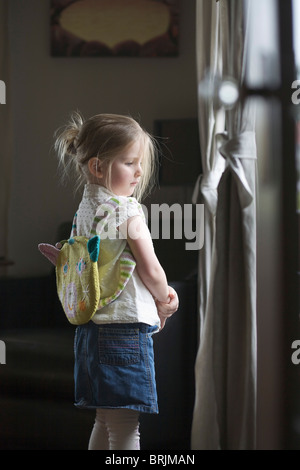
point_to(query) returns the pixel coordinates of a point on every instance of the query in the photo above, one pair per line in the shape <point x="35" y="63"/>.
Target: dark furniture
<point x="36" y="383"/>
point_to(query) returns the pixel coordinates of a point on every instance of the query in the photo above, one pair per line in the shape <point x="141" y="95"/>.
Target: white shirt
<point x="135" y="304"/>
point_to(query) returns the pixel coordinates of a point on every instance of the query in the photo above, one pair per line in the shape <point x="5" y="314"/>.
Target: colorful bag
<point x="77" y="272"/>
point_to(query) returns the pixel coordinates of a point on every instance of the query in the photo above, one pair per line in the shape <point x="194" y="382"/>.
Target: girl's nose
<point x="139" y="170"/>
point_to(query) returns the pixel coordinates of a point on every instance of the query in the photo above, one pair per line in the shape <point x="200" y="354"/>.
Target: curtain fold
<point x="5" y="132"/>
<point x="211" y="121"/>
<point x="225" y="369"/>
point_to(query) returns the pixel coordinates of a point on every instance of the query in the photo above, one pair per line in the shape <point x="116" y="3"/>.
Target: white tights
<point x="115" y="429"/>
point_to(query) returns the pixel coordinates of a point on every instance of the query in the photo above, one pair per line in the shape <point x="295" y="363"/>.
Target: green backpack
<point x="77" y="271"/>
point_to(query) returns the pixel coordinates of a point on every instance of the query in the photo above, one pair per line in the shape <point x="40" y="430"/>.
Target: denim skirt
<point x="114" y="367"/>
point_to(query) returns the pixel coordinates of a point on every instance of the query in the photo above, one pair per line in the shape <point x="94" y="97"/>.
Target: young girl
<point x="114" y="363"/>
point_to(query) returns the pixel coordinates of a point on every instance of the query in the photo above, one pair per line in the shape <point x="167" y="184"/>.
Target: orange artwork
<point x="104" y="28"/>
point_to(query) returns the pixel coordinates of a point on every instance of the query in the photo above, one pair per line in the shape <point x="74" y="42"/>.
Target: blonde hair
<point x="104" y="136"/>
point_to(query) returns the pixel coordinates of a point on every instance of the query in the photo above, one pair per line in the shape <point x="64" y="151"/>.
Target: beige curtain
<point x="5" y="130"/>
<point x="225" y="369"/>
<point x="211" y="122"/>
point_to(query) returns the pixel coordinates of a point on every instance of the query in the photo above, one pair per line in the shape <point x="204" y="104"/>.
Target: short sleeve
<point x="128" y="207"/>
<point x="113" y="213"/>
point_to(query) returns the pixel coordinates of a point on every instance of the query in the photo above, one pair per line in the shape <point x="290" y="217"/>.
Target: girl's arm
<point x="147" y="264"/>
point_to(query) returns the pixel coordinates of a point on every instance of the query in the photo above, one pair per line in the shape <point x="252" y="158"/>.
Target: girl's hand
<point x="166" y="310"/>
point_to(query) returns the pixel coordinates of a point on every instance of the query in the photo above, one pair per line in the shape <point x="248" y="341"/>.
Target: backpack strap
<point x="105" y="213"/>
<point x="107" y="210"/>
<point x="74" y="226"/>
<point x="100" y="221"/>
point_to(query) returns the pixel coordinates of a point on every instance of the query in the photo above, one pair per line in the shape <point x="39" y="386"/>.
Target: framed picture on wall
<point x="114" y="28"/>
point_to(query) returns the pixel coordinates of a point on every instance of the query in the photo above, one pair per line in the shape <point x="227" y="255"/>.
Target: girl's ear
<point x="95" y="167"/>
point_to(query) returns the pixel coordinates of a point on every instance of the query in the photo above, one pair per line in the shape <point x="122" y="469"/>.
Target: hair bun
<point x="67" y="137"/>
<point x="71" y="147"/>
<point x="73" y="129"/>
<point x="66" y="144"/>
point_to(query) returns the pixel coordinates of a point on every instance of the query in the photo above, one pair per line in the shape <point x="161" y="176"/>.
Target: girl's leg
<point x="123" y="429"/>
<point x="99" y="436"/>
<point x="116" y="429"/>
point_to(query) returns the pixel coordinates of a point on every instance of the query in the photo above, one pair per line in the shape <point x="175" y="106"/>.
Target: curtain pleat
<point x="225" y="369"/>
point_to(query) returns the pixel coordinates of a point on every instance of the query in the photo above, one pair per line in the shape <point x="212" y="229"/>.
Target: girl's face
<point x="126" y="171"/>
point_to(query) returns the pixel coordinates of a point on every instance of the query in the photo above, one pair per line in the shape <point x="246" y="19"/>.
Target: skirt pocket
<point x="118" y="346"/>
